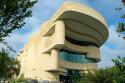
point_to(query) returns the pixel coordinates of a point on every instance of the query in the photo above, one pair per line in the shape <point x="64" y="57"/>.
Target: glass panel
<point x="74" y="57"/>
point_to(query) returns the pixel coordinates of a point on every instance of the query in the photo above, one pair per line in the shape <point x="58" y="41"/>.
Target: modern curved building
<point x="66" y="45"/>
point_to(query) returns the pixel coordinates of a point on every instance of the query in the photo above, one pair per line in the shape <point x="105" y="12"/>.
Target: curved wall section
<point x="77" y="66"/>
<point x="91" y="51"/>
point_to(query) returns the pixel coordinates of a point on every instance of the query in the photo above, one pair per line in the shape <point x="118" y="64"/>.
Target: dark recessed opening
<point x="81" y="43"/>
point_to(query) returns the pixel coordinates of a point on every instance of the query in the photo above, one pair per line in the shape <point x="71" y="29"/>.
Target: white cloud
<point x="114" y="38"/>
<point x="18" y="39"/>
<point x="112" y="48"/>
<point x="107" y="54"/>
<point x="33" y="22"/>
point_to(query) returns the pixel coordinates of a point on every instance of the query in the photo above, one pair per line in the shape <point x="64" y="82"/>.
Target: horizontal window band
<point x="75" y="57"/>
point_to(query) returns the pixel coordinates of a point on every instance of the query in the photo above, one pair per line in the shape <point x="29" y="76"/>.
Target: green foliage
<point x="18" y="81"/>
<point x="12" y="15"/>
<point x="5" y="62"/>
<point x="7" y="45"/>
<point x="121" y="27"/>
<point x="8" y="64"/>
<point x="115" y="74"/>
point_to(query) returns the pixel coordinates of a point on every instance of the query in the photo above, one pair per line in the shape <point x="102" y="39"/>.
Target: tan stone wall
<point x="40" y="56"/>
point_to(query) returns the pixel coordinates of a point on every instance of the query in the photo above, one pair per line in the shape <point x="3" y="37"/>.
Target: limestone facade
<point x="74" y="28"/>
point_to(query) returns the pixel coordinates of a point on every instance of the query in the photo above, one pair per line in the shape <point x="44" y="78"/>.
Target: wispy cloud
<point x="115" y="39"/>
<point x="20" y="37"/>
<point x="114" y="47"/>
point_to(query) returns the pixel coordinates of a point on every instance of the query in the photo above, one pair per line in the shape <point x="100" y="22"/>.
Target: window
<point x="74" y="57"/>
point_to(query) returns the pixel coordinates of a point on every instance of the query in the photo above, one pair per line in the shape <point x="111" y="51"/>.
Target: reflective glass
<point x="74" y="57"/>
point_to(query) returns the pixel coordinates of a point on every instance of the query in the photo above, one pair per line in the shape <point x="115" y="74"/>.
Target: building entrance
<point x="65" y="79"/>
<point x="68" y="78"/>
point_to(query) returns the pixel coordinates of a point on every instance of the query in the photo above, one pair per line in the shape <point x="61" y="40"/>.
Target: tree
<point x="12" y="15"/>
<point x="123" y="1"/>
<point x="8" y="64"/>
<point x="5" y="63"/>
<point x="115" y="74"/>
<point x="121" y="25"/>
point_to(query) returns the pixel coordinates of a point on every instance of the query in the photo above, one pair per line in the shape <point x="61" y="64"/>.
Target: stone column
<point x="59" y="33"/>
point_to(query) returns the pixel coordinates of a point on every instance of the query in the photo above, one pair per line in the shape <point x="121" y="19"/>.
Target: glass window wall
<point x="74" y="57"/>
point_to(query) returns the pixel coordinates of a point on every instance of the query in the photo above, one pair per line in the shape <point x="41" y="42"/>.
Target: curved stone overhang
<point x="83" y="27"/>
<point x="82" y="23"/>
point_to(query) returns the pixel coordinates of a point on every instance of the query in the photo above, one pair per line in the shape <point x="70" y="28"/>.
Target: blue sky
<point x="44" y="9"/>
